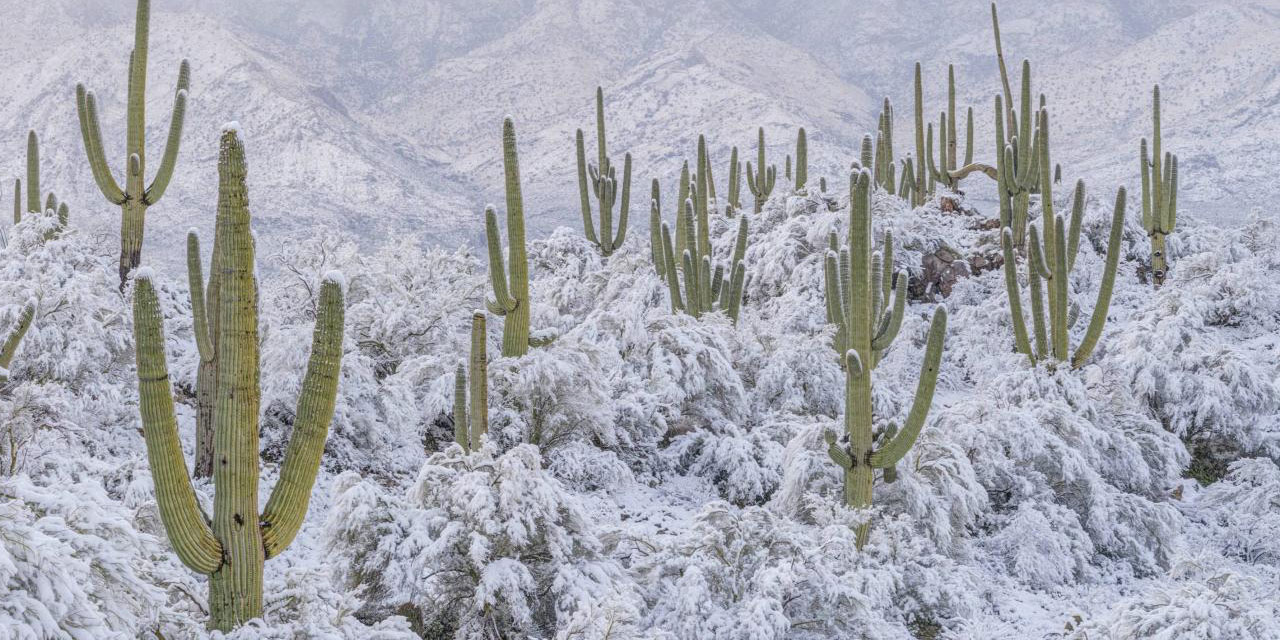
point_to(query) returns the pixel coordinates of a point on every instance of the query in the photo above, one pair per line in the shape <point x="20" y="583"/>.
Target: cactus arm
<point x="735" y="291"/>
<point x="199" y="314"/>
<point x="19" y="331"/>
<point x="655" y="232"/>
<point x="1077" y="221"/>
<point x="583" y="194"/>
<point x="835" y="301"/>
<point x="968" y="139"/>
<point x="91" y="136"/>
<point x="1004" y="73"/>
<point x="693" y="302"/>
<point x="974" y="167"/>
<point x="838" y="455"/>
<point x="185" y="524"/>
<point x="897" y="447"/>
<point x="625" y="209"/>
<point x="461" y="432"/>
<point x="889" y="329"/>
<point x="170" y="159"/>
<point x="673" y="278"/>
<point x="1036" y="259"/>
<point x="1021" y="342"/>
<point x="1171" y="202"/>
<point x="1058" y="290"/>
<point x="479" y="381"/>
<point x="502" y="302"/>
<point x="1099" y="317"/>
<point x="287" y="506"/>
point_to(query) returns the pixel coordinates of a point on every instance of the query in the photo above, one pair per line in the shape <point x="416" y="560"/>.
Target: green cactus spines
<point x="232" y="549"/>
<point x="136" y="196"/>
<point x="510" y="291"/>
<point x="603" y="183"/>
<point x="704" y="287"/>
<point x="1159" y="194"/>
<point x="735" y="184"/>
<point x="760" y="180"/>
<point x="856" y="286"/>
<point x="866" y="156"/>
<point x="13" y="339"/>
<point x="1050" y="260"/>
<point x="802" y="160"/>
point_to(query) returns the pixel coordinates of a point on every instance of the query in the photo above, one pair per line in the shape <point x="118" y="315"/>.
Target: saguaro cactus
<point x="760" y="180"/>
<point x="705" y="289"/>
<point x="948" y="171"/>
<point x="603" y="183"/>
<point x="136" y="196"/>
<point x="884" y="163"/>
<point x="232" y="550"/>
<point x="855" y="284"/>
<point x="14" y="338"/>
<point x="510" y="291"/>
<point x="920" y="191"/>
<point x="735" y="185"/>
<point x="32" y="202"/>
<point x="1159" y="194"/>
<point x="1050" y="262"/>
<point x="469" y="427"/>
<point x="802" y="160"/>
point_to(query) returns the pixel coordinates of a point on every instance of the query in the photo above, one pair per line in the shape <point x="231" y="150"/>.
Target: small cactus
<point x="470" y="427"/>
<point x="510" y="290"/>
<point x="603" y="183"/>
<point x="856" y="290"/>
<point x="1159" y="194"/>
<point x="136" y="196"/>
<point x="760" y="180"/>
<point x="231" y="550"/>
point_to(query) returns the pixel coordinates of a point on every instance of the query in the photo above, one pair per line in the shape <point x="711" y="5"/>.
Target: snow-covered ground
<point x="652" y="475"/>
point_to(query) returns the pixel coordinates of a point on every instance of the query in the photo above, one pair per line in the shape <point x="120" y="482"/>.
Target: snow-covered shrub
<point x="482" y="542"/>
<point x="1241" y="512"/>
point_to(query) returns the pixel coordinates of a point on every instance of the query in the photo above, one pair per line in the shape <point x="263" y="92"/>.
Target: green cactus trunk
<point x="479" y="363"/>
<point x="232" y="550"/>
<point x="1159" y="194"/>
<point x="802" y="160"/>
<point x="511" y="291"/>
<point x="603" y="182"/>
<point x="136" y="196"/>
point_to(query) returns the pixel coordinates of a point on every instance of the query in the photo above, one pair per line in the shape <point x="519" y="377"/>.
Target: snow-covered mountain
<point x="383" y="118"/>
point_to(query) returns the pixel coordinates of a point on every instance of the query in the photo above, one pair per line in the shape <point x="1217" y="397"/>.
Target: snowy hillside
<point x="644" y="471"/>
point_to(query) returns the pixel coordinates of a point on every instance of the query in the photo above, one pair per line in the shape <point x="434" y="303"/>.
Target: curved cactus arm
<point x="502" y="302"/>
<point x="897" y="447"/>
<point x="836" y="452"/>
<point x="91" y="134"/>
<point x="1021" y="341"/>
<point x="974" y="167"/>
<point x="835" y="302"/>
<point x="1036" y="258"/>
<point x="16" y="334"/>
<point x="673" y="278"/>
<point x="170" y="159"/>
<point x="461" y="432"/>
<point x="1077" y="221"/>
<point x="287" y="506"/>
<point x="1099" y="317"/>
<point x="187" y="527"/>
<point x="892" y="321"/>
<point x="625" y="209"/>
<point x="199" y="314"/>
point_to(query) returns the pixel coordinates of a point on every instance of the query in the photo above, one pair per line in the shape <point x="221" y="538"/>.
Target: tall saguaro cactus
<point x="760" y="180"/>
<point x="1159" y="194"/>
<point x="802" y="160"/>
<point x="1050" y="260"/>
<point x="735" y="185"/>
<point x="603" y="183"/>
<point x="510" y="290"/>
<point x="231" y="550"/>
<point x="854" y="284"/>
<point x="470" y="426"/>
<point x="136" y="196"/>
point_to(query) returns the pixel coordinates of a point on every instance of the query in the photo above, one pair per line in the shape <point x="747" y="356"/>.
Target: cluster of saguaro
<point x="510" y="289"/>
<point x="851" y="304"/>
<point x="136" y="196"/>
<point x="600" y="179"/>
<point x="946" y="170"/>
<point x="1050" y="260"/>
<point x="884" y="162"/>
<point x="14" y="338"/>
<point x="469" y="427"/>
<point x="32" y="203"/>
<point x="802" y="160"/>
<point x="231" y="550"/>
<point x="1159" y="194"/>
<point x="760" y="179"/>
<point x="706" y="287"/>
